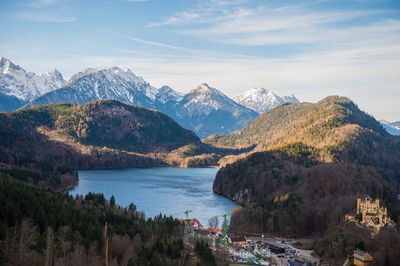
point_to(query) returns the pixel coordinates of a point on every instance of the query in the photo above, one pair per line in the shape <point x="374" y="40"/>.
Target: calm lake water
<point x="159" y="190"/>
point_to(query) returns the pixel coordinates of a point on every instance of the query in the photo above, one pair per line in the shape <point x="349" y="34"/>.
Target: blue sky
<point x="309" y="48"/>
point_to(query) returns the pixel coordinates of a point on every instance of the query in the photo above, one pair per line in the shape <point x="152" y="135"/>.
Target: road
<point x="285" y="242"/>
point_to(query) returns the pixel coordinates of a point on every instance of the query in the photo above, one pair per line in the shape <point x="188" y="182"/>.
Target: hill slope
<point x="334" y="127"/>
<point x="53" y="140"/>
<point x="310" y="164"/>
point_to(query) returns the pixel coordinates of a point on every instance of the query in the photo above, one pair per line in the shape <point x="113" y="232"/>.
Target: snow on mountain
<point x="17" y="84"/>
<point x="166" y="94"/>
<point x="263" y="100"/>
<point x="112" y="83"/>
<point x="208" y="111"/>
<point x="396" y="125"/>
<point x="393" y="128"/>
<point x="203" y="100"/>
<point x="205" y="110"/>
<point x="86" y="72"/>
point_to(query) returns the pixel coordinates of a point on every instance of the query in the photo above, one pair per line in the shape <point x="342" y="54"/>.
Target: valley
<point x="54" y="140"/>
<point x="155" y="190"/>
<point x="295" y="169"/>
<point x="199" y="133"/>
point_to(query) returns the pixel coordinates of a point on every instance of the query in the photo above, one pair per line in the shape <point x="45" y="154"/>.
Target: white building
<point x="265" y="252"/>
<point x="243" y="254"/>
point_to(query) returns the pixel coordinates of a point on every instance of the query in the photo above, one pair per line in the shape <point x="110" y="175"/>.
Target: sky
<point x="309" y="48"/>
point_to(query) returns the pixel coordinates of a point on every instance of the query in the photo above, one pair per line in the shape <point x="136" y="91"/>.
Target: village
<point x="259" y="249"/>
<point x="248" y="248"/>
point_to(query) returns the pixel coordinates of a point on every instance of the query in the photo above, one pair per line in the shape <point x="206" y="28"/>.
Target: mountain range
<point x="204" y="110"/>
<point x="18" y="87"/>
<point x="90" y="85"/>
<point x="263" y="100"/>
<point x="392" y="128"/>
<point x="295" y="168"/>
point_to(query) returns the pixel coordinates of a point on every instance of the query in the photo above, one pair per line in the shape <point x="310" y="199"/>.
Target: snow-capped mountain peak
<point x="206" y="90"/>
<point x="263" y="100"/>
<point x="55" y="78"/>
<point x="98" y="84"/>
<point x="54" y="73"/>
<point x="86" y="72"/>
<point x="7" y="66"/>
<point x="207" y="111"/>
<point x="126" y="75"/>
<point x="4" y="64"/>
<point x="205" y="98"/>
<point x="25" y="86"/>
<point x="166" y="94"/>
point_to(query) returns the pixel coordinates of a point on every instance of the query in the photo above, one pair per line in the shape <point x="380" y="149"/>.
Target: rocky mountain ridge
<point x="204" y="110"/>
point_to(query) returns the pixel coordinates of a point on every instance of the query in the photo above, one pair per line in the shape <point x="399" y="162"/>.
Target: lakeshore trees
<point x="45" y="228"/>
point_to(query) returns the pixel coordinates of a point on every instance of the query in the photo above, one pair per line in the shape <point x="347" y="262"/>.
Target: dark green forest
<point x="40" y="227"/>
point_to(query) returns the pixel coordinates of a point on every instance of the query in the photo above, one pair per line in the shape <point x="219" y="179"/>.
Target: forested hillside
<point x="330" y="131"/>
<point x="40" y="227"/>
<point x="109" y="124"/>
<point x="329" y="122"/>
<point x="310" y="164"/>
<point x="44" y="145"/>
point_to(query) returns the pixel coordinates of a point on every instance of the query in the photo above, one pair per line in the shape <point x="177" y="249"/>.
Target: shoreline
<point x="76" y="182"/>
<point x="108" y="183"/>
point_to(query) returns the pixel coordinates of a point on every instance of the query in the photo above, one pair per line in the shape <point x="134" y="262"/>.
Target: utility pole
<point x="187" y="214"/>
<point x="225" y="230"/>
<point x="105" y="245"/>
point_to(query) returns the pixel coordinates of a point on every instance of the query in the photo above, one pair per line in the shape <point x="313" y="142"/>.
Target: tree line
<point x="40" y="227"/>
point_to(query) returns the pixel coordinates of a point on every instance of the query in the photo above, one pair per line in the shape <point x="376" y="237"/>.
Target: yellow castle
<point x="370" y="213"/>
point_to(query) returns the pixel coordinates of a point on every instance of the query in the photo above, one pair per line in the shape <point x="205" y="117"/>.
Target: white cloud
<point x="181" y="17"/>
<point x="265" y="26"/>
<point x="360" y="60"/>
<point x="205" y="12"/>
<point x="152" y="43"/>
<point x="143" y="41"/>
<point x="355" y="53"/>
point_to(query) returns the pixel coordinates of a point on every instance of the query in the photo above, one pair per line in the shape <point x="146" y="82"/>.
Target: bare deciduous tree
<point x="49" y="253"/>
<point x="213" y="221"/>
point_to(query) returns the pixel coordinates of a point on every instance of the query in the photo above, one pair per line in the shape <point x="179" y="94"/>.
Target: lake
<point x="165" y="190"/>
